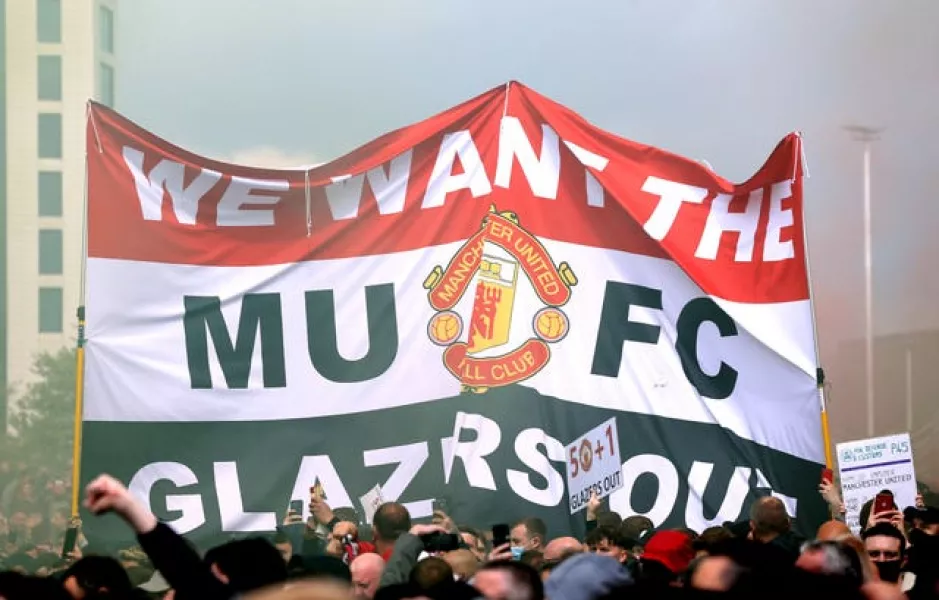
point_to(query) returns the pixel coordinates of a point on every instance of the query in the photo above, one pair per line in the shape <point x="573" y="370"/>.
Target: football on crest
<point x="445" y="328"/>
<point x="551" y="324"/>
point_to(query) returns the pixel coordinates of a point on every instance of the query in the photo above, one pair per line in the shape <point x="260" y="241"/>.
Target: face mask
<point x="889" y="570"/>
<point x="517" y="552"/>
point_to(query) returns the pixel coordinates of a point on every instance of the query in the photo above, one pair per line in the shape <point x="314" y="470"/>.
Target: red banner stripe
<point x="203" y="212"/>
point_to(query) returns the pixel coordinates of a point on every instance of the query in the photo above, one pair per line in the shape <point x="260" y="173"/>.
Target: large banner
<point x="440" y="312"/>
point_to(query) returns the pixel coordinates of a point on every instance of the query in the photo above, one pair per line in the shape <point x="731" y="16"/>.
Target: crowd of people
<point x="34" y="515"/>
<point x="332" y="555"/>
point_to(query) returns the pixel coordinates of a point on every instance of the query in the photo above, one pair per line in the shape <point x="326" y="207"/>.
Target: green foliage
<point x="42" y="417"/>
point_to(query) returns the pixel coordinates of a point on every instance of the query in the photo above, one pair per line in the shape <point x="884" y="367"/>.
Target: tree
<point x="42" y="417"/>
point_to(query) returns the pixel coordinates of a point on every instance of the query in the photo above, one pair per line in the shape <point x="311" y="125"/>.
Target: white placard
<point x="594" y="465"/>
<point x="869" y="466"/>
<point x="370" y="503"/>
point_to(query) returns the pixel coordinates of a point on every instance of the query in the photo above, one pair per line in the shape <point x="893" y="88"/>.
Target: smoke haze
<point x="296" y="82"/>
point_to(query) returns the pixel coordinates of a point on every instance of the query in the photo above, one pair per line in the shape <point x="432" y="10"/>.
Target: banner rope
<point x="309" y="203"/>
<point x="94" y="128"/>
<point x="819" y="371"/>
<point x="805" y="162"/>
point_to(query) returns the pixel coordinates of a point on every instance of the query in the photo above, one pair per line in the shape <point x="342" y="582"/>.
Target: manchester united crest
<point x="495" y="263"/>
<point x="586" y="456"/>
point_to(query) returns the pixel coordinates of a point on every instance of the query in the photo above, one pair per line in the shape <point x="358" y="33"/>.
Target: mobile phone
<point x="882" y="503"/>
<point x="441" y="504"/>
<point x="440" y="542"/>
<point x="317" y="490"/>
<point x="296" y="507"/>
<point x="828" y="476"/>
<point x="71" y="537"/>
<point x="500" y="535"/>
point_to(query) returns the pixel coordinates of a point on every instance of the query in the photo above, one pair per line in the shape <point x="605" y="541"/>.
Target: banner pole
<point x="80" y="342"/>
<point x="819" y="371"/>
<point x="79" y="404"/>
<point x="826" y="431"/>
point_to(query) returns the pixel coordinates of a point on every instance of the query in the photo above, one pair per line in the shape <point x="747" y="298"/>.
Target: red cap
<point x="671" y="548"/>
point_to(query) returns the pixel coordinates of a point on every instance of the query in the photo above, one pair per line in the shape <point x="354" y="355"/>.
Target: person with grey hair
<point x="587" y="577"/>
<point x="831" y="558"/>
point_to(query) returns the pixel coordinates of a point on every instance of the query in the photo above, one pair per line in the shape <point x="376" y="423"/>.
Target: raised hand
<point x="593" y="506"/>
<point x="106" y="494"/>
<point x="443" y="519"/>
<point x="320" y="510"/>
<point x="291" y="518"/>
<point x="503" y="552"/>
<point x="830" y="493"/>
<point x="420" y="530"/>
<point x="892" y="517"/>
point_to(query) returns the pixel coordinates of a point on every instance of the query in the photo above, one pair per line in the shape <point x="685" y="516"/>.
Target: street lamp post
<point x="909" y="390"/>
<point x="868" y="135"/>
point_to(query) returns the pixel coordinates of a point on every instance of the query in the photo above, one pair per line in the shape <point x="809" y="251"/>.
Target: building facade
<point x="56" y="54"/>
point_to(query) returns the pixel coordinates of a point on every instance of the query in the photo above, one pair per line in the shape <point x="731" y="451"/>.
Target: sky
<point x="287" y="82"/>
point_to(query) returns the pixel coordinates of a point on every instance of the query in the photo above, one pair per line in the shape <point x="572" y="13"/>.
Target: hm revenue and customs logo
<point x="493" y="353"/>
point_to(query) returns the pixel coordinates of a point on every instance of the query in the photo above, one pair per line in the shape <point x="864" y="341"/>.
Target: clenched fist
<point x="106" y="494"/>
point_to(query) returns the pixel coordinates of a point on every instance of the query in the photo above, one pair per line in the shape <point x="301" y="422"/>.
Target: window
<point x="106" y="30"/>
<point x="106" y="84"/>
<point x="49" y="21"/>
<point x="50" y="310"/>
<point x="50" y="194"/>
<point x="50" y="251"/>
<point x="50" y="77"/>
<point x="50" y="135"/>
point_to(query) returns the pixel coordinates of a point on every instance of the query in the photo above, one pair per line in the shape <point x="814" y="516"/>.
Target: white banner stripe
<point x="137" y="365"/>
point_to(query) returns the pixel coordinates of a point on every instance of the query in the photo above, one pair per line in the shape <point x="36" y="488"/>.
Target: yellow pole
<point x="823" y="402"/>
<point x="826" y="430"/>
<point x="826" y="437"/>
<point x="79" y="402"/>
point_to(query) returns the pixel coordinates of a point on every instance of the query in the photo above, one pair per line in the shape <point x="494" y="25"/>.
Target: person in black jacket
<point x="97" y="575"/>
<point x="16" y="586"/>
<point x="177" y="561"/>
<point x="247" y="564"/>
<point x="770" y="524"/>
